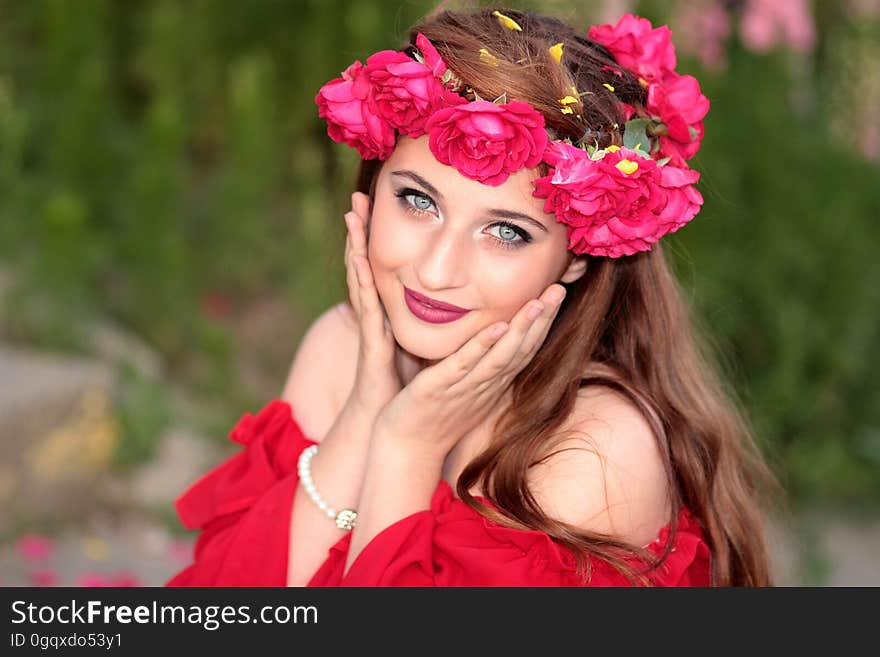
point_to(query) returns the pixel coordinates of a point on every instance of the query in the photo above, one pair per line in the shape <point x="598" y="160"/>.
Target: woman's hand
<point x="376" y="379"/>
<point x="445" y="401"/>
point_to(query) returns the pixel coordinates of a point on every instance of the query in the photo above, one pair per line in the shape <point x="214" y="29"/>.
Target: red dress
<point x="242" y="508"/>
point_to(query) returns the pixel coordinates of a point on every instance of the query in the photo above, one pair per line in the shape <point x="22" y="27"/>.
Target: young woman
<point x="512" y="394"/>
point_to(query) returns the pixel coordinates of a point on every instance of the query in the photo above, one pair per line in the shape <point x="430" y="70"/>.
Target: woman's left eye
<point x="507" y="234"/>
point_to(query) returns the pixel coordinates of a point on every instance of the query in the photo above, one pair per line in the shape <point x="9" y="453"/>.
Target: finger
<point x="526" y="326"/>
<point x="372" y="312"/>
<point x="351" y="279"/>
<point x="537" y="332"/>
<point x="454" y="368"/>
<point x="358" y="229"/>
<point x="498" y="358"/>
<point x="360" y="203"/>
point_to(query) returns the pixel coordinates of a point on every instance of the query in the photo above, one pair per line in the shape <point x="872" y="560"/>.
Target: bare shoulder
<point x="322" y="371"/>
<point x="607" y="475"/>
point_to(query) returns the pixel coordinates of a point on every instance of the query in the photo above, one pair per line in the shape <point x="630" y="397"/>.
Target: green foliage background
<point x="158" y="154"/>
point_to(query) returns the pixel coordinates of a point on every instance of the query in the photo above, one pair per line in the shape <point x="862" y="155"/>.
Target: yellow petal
<point x="487" y="57"/>
<point x="567" y="110"/>
<point x="627" y="166"/>
<point x="556" y="52"/>
<point x="568" y="100"/>
<point x="507" y="21"/>
<point x="612" y="149"/>
<point x="608" y="87"/>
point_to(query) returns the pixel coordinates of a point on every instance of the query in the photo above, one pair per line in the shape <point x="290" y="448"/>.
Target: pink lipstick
<point x="431" y="310"/>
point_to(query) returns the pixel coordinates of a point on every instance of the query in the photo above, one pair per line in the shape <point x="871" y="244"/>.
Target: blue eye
<point x="507" y="234"/>
<point x="420" y="203"/>
<point x="415" y="200"/>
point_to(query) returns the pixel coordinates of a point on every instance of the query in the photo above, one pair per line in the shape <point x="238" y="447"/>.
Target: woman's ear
<point x="577" y="267"/>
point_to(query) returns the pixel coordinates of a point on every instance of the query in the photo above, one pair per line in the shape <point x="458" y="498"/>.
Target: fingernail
<point x="535" y="310"/>
<point x="557" y="295"/>
<point x="498" y="331"/>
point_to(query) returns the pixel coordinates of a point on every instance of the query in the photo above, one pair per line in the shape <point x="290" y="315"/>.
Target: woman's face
<point x="487" y="249"/>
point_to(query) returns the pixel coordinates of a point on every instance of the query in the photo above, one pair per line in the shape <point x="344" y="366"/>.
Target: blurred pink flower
<point x="34" y="547"/>
<point x="96" y="579"/>
<point x="43" y="577"/>
<point x="702" y="30"/>
<point x="125" y="578"/>
<point x="181" y="550"/>
<point x="767" y="24"/>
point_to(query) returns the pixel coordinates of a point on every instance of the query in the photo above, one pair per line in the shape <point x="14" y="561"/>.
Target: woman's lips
<point x="429" y="313"/>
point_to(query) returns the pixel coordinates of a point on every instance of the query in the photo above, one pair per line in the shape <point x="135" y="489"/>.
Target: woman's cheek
<point x="393" y="243"/>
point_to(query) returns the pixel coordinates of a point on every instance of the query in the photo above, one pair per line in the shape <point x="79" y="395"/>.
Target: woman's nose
<point x="442" y="263"/>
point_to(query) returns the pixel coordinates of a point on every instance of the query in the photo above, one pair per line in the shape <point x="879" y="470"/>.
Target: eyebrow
<point x="501" y="214"/>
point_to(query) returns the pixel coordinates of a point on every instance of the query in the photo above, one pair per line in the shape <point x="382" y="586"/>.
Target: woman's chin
<point x="424" y="347"/>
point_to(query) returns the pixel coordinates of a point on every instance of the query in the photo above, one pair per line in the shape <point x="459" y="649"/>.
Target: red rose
<point x="405" y="92"/>
<point x="638" y="46"/>
<point x="617" y="204"/>
<point x="488" y="142"/>
<point x="342" y="102"/>
<point x="680" y="105"/>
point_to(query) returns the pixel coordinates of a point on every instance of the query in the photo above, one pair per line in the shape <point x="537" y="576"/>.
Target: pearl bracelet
<point x="345" y="519"/>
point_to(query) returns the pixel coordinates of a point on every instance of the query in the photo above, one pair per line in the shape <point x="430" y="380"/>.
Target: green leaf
<point x="635" y="134"/>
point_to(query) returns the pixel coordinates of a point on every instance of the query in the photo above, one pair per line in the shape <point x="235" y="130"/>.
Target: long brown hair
<point x="624" y="324"/>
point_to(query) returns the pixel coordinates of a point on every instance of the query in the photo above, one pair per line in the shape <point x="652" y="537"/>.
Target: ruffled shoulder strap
<point x="273" y="441"/>
<point x="686" y="564"/>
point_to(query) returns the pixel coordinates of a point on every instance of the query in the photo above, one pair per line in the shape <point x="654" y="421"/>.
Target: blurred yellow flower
<point x="507" y="21"/>
<point x="488" y="58"/>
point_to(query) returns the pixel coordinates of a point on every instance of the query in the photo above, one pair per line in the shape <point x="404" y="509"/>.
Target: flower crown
<point x="615" y="201"/>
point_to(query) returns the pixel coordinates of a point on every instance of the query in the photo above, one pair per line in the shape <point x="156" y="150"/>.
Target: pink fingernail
<point x="535" y="310"/>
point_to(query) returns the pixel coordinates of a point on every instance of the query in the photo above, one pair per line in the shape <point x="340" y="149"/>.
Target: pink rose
<point x="429" y="53"/>
<point x="617" y="205"/>
<point x="342" y="102"/>
<point x="405" y="92"/>
<point x="680" y="104"/>
<point x="488" y="142"/>
<point x="638" y="46"/>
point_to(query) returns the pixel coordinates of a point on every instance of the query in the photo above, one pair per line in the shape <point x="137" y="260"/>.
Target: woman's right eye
<point x="416" y="201"/>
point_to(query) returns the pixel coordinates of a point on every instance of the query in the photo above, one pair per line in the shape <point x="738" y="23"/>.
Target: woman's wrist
<point x="420" y="454"/>
<point x="399" y="480"/>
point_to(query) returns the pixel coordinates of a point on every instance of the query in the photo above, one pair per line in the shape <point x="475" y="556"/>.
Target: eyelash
<point x="504" y="244"/>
